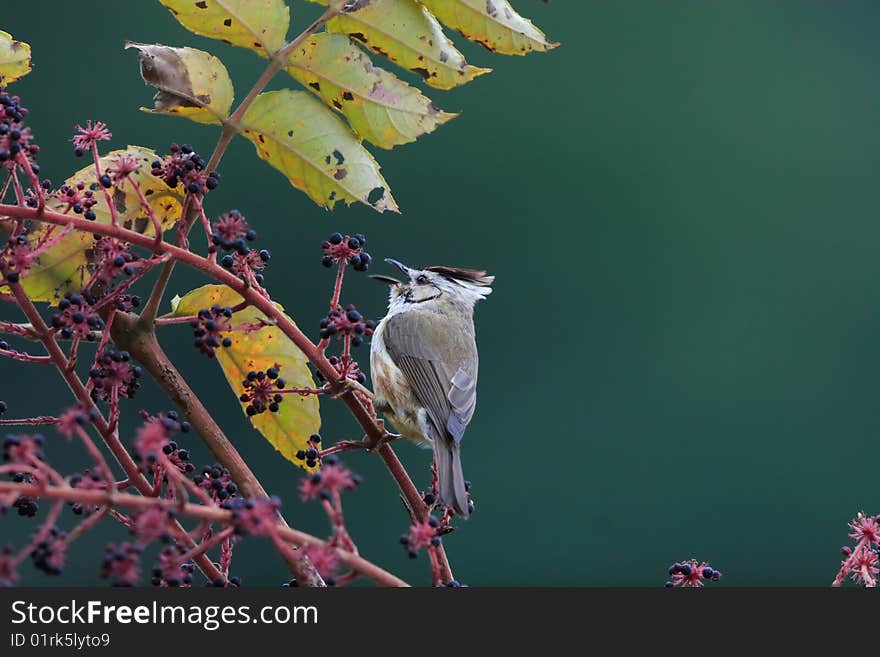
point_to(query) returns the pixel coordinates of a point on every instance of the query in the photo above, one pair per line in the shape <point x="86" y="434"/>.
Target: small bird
<point x="423" y="361"/>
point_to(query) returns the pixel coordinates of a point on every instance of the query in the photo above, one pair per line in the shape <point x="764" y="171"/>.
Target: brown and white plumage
<point x="424" y="365"/>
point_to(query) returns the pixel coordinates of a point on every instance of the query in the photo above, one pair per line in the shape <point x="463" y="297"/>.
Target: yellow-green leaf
<point x="407" y="34"/>
<point x="190" y="82"/>
<point x="15" y="58"/>
<point x="300" y="137"/>
<point x="298" y="417"/>
<point x="492" y="23"/>
<point x="65" y="266"/>
<point x="260" y="25"/>
<point x="381" y="108"/>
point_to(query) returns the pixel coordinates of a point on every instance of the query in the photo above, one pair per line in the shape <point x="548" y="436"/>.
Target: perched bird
<point x="424" y="364"/>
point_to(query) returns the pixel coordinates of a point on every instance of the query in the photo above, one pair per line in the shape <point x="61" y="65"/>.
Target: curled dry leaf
<point x="190" y="82"/>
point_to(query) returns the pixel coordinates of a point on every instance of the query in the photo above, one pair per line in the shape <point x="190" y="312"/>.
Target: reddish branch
<point x="374" y="432"/>
<point x="215" y="514"/>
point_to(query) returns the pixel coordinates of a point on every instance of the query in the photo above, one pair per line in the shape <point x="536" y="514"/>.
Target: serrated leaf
<point x="406" y="33"/>
<point x="381" y="108"/>
<point x="190" y="82"/>
<point x="15" y="58"/>
<point x="259" y="25"/>
<point x="492" y="23"/>
<point x="65" y="266"/>
<point x="298" y="417"/>
<point x="300" y="137"/>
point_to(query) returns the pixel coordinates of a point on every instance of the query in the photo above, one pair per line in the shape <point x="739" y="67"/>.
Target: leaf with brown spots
<point x="492" y="23"/>
<point x="407" y="34"/>
<point x="15" y="58"/>
<point x="318" y="153"/>
<point x="259" y="25"/>
<point x="298" y="417"/>
<point x="381" y="108"/>
<point x="64" y="267"/>
<point x="190" y="82"/>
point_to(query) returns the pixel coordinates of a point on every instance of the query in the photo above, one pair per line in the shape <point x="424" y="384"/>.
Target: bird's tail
<point x="450" y="478"/>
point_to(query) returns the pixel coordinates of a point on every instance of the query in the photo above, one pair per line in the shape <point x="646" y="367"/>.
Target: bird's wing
<point x="440" y="365"/>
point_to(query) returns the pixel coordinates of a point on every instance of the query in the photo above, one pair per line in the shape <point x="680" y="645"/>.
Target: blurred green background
<point x="680" y="356"/>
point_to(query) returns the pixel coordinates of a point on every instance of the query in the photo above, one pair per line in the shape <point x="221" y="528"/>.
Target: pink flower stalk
<point x="323" y="558"/>
<point x="860" y="561"/>
<point x="123" y="166"/>
<point x="90" y="135"/>
<point x="332" y="479"/>
<point x="691" y="574"/>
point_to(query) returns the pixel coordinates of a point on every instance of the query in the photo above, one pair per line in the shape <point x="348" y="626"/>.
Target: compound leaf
<point x="15" y="58"/>
<point x="405" y="32"/>
<point x="381" y="108"/>
<point x="492" y="23"/>
<point x="64" y="267"/>
<point x="190" y="82"/>
<point x="300" y="137"/>
<point x="298" y="417"/>
<point x="260" y="25"/>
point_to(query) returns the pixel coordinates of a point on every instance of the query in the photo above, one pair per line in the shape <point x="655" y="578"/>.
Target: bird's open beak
<point x="402" y="267"/>
<point x="386" y="279"/>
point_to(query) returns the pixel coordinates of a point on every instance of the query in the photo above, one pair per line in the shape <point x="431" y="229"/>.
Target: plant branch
<point x="213" y="514"/>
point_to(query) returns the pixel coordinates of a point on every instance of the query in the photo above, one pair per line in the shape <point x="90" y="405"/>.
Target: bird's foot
<point x="349" y="386"/>
<point x="372" y="444"/>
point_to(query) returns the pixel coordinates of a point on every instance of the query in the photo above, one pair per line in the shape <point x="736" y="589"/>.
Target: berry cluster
<point x="232" y="232"/>
<point x="16" y="258"/>
<point x="154" y="438"/>
<point x="78" y="199"/>
<point x="113" y="372"/>
<point x="347" y="323"/>
<point x="122" y="564"/>
<point x="690" y="574"/>
<point x="255" y="516"/>
<point x="23" y="450"/>
<point x="114" y="258"/>
<point x="88" y="480"/>
<point x="170" y="571"/>
<point x="209" y="328"/>
<point x="8" y="573"/>
<point x="349" y="249"/>
<point x="310" y="455"/>
<point x="246" y="261"/>
<point x="49" y="553"/>
<point x="75" y="318"/>
<point x="151" y="524"/>
<point x="15" y="139"/>
<point x="3" y="406"/>
<point x="260" y="391"/>
<point x="352" y="370"/>
<point x="216" y="480"/>
<point x="26" y="506"/>
<point x="421" y="535"/>
<point x="186" y="166"/>
<point x="331" y="480"/>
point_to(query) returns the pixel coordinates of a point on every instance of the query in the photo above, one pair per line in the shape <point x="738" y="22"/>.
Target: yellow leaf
<point x="381" y="108"/>
<point x="65" y="266"/>
<point x="190" y="82"/>
<point x="298" y="417"/>
<point x="317" y="152"/>
<point x="260" y="25"/>
<point x="15" y="58"/>
<point x="407" y="34"/>
<point x="492" y="23"/>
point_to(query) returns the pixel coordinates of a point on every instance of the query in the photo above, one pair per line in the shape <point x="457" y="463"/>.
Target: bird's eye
<point x="421" y="279"/>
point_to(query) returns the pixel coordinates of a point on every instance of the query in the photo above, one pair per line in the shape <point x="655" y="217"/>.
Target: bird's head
<point x="437" y="285"/>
